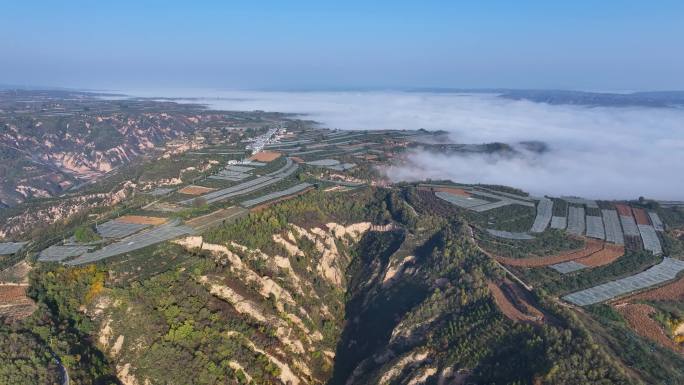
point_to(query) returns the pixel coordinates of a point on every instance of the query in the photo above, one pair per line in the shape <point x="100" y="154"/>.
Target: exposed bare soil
<point x="591" y="246"/>
<point x="640" y="216"/>
<point x="453" y="190"/>
<point x="513" y="305"/>
<point x="608" y="254"/>
<point x="142" y="220"/>
<point x="195" y="190"/>
<point x="673" y="291"/>
<point x="14" y="304"/>
<point x="265" y="156"/>
<point x="638" y="316"/>
<point x="623" y="209"/>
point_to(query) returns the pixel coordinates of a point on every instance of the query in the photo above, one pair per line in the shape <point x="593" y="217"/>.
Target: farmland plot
<point x="504" y="197"/>
<point x="671" y="292"/>
<point x="639" y="318"/>
<point x="249" y="186"/>
<point x="650" y="239"/>
<point x="576" y="223"/>
<point x="623" y="209"/>
<point x="216" y="218"/>
<point x="609" y="253"/>
<point x="342" y="167"/>
<point x="581" y="201"/>
<point x="453" y="190"/>
<point x="559" y="222"/>
<point x="460" y="200"/>
<point x="568" y="267"/>
<point x="118" y="229"/>
<point x="505" y="194"/>
<point x="308" y="152"/>
<point x="14" y="304"/>
<point x="324" y="162"/>
<point x="142" y="220"/>
<point x="134" y="242"/>
<point x="640" y="216"/>
<point x="660" y="273"/>
<point x="276" y="195"/>
<point x="629" y="226"/>
<point x="657" y="222"/>
<point x="490" y="206"/>
<point x="634" y="243"/>
<point x="544" y="211"/>
<point x="195" y="190"/>
<point x="254" y="163"/>
<point x="510" y="235"/>
<point x="60" y="253"/>
<point x="231" y="176"/>
<point x="595" y="227"/>
<point x="479" y="202"/>
<point x="9" y="248"/>
<point x="612" y="227"/>
<point x="236" y="168"/>
<point x="160" y="191"/>
<point x="591" y="246"/>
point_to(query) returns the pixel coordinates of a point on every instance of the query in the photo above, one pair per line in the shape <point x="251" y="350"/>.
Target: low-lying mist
<point x="596" y="152"/>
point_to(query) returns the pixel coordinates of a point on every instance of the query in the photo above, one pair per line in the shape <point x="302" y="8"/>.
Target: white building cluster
<point x="272" y="136"/>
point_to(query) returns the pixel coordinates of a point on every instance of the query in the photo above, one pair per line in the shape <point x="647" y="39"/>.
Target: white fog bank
<point x="596" y="152"/>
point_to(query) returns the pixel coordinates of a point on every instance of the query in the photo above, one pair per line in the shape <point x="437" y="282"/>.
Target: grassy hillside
<point x="306" y="292"/>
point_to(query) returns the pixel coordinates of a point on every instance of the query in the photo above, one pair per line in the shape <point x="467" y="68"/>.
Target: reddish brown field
<point x="673" y="291"/>
<point x="591" y="246"/>
<point x="265" y="156"/>
<point x="141" y="220"/>
<point x="623" y="210"/>
<point x="523" y="312"/>
<point x="608" y="254"/>
<point x="453" y="190"/>
<point x="641" y="216"/>
<point x="195" y="190"/>
<point x="14" y="304"/>
<point x="638" y="316"/>
<point x="11" y="293"/>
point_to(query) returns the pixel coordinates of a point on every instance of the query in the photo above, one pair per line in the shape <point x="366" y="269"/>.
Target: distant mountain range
<point x="658" y="99"/>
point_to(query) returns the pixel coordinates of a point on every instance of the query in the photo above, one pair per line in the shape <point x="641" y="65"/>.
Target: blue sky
<point x="595" y="45"/>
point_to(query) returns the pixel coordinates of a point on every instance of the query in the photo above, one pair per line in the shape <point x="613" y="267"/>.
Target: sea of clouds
<point x="595" y="152"/>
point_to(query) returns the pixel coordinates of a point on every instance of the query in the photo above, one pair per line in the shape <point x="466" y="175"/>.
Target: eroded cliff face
<point x="280" y="314"/>
<point x="45" y="156"/>
<point x="28" y="220"/>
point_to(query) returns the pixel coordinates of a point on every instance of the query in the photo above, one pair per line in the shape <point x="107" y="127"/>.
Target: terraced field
<point x="613" y="228"/>
<point x="543" y="218"/>
<point x="9" y="248"/>
<point x="576" y="223"/>
<point x="591" y="246"/>
<point x="14" y="304"/>
<point x="661" y="273"/>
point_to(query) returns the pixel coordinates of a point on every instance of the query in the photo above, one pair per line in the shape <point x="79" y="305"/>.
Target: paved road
<point x="62" y="368"/>
<point x="65" y="374"/>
